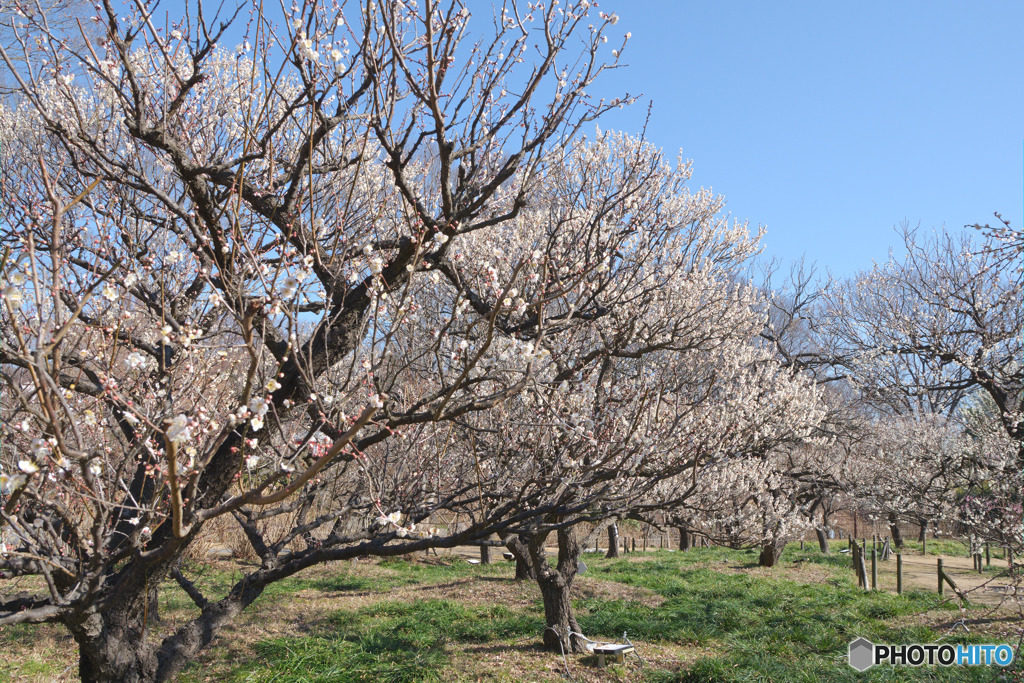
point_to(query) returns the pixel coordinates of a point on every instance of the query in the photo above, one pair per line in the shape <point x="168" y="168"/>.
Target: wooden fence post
<point x="899" y="573"/>
<point x="864" y="573"/>
<point x="940" y="575"/>
<point x="874" y="569"/>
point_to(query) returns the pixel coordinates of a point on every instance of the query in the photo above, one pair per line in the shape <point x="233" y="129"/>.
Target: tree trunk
<point x="923" y="532"/>
<point x="112" y="660"/>
<point x="894" y="530"/>
<point x="518" y="546"/>
<point x="558" y="615"/>
<point x="112" y="644"/>
<point x="822" y="540"/>
<point x="771" y="551"/>
<point x="555" y="588"/>
<point x="684" y="538"/>
<point x="485" y="554"/>
<point x="613" y="540"/>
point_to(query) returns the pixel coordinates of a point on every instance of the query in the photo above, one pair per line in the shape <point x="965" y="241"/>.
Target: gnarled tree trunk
<point x="111" y="636"/>
<point x="555" y="588"/>
<point x="112" y="648"/>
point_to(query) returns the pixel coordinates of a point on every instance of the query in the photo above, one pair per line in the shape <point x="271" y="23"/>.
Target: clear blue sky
<point x="831" y="123"/>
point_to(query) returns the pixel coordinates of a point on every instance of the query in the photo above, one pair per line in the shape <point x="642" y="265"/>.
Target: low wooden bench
<point x="619" y="651"/>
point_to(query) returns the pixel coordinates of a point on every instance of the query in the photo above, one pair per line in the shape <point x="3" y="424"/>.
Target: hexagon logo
<point x="862" y="654"/>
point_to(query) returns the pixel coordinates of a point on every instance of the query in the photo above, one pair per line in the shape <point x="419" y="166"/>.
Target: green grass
<point x="772" y="629"/>
<point x="390" y="641"/>
<point x="48" y="645"/>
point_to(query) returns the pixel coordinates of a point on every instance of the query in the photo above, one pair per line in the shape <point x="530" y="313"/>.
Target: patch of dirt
<point x="526" y="661"/>
<point x="468" y="590"/>
<point x="921" y="571"/>
<point x="589" y="587"/>
<point x="998" y="624"/>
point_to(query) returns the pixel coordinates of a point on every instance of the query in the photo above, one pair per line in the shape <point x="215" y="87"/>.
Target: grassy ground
<point x="703" y="615"/>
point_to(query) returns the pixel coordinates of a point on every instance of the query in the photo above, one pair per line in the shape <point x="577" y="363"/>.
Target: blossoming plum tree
<point x="238" y="282"/>
<point x="626" y="417"/>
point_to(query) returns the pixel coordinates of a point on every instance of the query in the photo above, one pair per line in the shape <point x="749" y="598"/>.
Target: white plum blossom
<point x="258" y="406"/>
<point x="13" y="296"/>
<point x="179" y="429"/>
<point x="289" y="287"/>
<point x="28" y="466"/>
